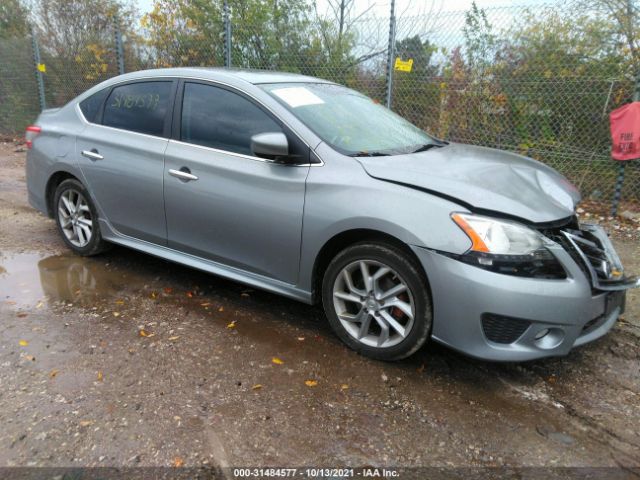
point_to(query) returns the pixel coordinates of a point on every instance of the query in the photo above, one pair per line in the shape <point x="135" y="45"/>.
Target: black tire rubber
<point x="97" y="244"/>
<point x="409" y="270"/>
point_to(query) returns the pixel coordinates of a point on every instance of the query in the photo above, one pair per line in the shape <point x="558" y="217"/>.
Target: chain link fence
<point x="524" y="79"/>
<point x="18" y="88"/>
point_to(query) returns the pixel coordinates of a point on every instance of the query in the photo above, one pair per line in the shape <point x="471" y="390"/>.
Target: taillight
<point x="31" y="133"/>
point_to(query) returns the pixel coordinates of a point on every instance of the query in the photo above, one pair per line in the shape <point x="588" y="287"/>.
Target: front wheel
<point x="377" y="301"/>
<point x="77" y="219"/>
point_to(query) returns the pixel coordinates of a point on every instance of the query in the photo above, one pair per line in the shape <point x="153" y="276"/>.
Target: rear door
<point x="236" y="209"/>
<point x="121" y="155"/>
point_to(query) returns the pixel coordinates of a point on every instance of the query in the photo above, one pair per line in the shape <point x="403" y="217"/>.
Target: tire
<point x="348" y="316"/>
<point x="79" y="229"/>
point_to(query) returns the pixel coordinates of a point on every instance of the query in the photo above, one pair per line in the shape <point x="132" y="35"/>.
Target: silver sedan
<point x="311" y="190"/>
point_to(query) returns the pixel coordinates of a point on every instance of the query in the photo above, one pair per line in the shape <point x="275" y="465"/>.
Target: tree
<point x="272" y="34"/>
<point x="13" y="19"/>
<point x="623" y="16"/>
<point x="18" y="104"/>
<point x="421" y="51"/>
<point x="480" y="41"/>
<point x="77" y="43"/>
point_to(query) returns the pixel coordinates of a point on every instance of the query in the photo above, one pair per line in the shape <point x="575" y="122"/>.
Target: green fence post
<point x="227" y="33"/>
<point x="37" y="64"/>
<point x="119" y="49"/>
<point x="390" y="52"/>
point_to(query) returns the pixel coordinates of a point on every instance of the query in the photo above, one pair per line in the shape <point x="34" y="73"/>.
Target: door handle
<point x="183" y="174"/>
<point x="92" y="154"/>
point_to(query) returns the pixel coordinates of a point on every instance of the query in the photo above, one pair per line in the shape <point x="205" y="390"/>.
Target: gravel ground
<point x="127" y="360"/>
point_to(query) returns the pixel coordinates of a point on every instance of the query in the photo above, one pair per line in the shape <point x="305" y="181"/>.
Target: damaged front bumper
<point x="500" y="317"/>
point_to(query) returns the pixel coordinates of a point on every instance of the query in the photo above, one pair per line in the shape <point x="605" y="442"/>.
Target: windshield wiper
<point x="425" y="147"/>
<point x="369" y="154"/>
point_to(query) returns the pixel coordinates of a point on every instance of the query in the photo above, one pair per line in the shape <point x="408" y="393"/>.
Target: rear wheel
<point x="377" y="301"/>
<point x="77" y="219"/>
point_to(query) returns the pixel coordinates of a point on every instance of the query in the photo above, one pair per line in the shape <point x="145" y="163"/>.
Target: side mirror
<point x="272" y="145"/>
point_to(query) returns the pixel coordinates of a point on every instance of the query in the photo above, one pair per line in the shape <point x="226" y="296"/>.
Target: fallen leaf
<point x="21" y="314"/>
<point x="23" y="343"/>
<point x="311" y="383"/>
<point x="277" y="361"/>
<point x="190" y="294"/>
<point x="53" y="373"/>
<point x="178" y="462"/>
<point x="257" y="386"/>
<point x="168" y="290"/>
<point x="116" y="314"/>
<point x="301" y="339"/>
<point x="120" y="302"/>
<point x="205" y="304"/>
<point x="39" y="305"/>
<point x="177" y="418"/>
<point x="100" y="376"/>
<point x="30" y="357"/>
<point x="86" y="423"/>
<point x="174" y="337"/>
<point x="344" y="386"/>
<point x="143" y="333"/>
<point x="221" y="309"/>
<point x="154" y="294"/>
<point x="232" y="324"/>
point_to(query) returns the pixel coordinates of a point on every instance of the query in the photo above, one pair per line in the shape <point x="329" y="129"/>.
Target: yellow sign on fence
<point x="42" y="68"/>
<point x="403" y="65"/>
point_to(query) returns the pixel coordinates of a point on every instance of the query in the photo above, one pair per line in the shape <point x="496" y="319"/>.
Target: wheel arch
<point x="52" y="184"/>
<point x="346" y="238"/>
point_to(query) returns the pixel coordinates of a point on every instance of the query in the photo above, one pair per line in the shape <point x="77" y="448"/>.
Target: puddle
<point x="122" y="276"/>
<point x="28" y="279"/>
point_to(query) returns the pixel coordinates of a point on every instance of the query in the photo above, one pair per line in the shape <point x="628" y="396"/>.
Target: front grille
<point x="501" y="329"/>
<point x="592" y="250"/>
<point x="593" y="254"/>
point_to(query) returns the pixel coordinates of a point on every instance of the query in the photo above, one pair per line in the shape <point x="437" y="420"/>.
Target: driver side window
<point x="217" y="118"/>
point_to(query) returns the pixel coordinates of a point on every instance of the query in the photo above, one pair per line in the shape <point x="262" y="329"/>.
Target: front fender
<point x="340" y="196"/>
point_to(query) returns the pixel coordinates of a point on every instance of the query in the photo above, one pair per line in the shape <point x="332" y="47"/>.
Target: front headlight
<point x="499" y="237"/>
<point x="507" y="247"/>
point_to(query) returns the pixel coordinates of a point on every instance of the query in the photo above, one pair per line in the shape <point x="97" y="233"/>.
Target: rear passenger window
<point x="91" y="106"/>
<point x="217" y="118"/>
<point x="138" y="107"/>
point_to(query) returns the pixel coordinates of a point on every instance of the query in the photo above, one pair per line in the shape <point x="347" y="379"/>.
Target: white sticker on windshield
<point x="297" y="96"/>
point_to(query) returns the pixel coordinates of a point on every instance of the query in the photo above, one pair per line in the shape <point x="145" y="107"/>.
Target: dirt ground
<point x="127" y="360"/>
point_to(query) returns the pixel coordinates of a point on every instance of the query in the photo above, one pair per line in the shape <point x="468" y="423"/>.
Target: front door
<point x="223" y="203"/>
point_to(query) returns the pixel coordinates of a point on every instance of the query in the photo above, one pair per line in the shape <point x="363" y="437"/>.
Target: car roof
<point x="219" y="73"/>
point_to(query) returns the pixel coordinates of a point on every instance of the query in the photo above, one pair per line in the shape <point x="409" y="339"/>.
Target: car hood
<point x="482" y="179"/>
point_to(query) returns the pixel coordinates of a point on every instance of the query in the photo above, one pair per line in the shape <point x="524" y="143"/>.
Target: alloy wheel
<point x="75" y="218"/>
<point x="373" y="303"/>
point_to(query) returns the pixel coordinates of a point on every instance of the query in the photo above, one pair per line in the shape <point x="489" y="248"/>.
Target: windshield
<point x="350" y="122"/>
